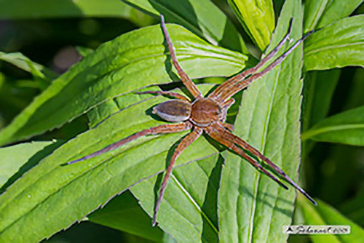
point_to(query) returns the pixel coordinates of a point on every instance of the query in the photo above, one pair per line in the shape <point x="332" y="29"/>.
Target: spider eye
<point x="173" y="110"/>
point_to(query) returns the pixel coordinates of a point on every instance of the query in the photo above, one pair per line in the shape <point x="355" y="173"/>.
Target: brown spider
<point x="207" y="115"/>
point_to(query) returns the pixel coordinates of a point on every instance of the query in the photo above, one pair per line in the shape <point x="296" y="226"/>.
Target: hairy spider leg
<point x="228" y="126"/>
<point x="225" y="107"/>
<point x="185" y="79"/>
<point x="165" y="128"/>
<point x="186" y="141"/>
<point x="240" y="142"/>
<point x="246" y="82"/>
<point x="215" y="132"/>
<point x="166" y="93"/>
<point x="241" y="76"/>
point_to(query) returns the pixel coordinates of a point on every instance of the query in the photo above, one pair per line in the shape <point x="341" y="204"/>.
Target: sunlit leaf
<point x="252" y="207"/>
<point x="16" y="158"/>
<point x="257" y="18"/>
<point x="66" y="193"/>
<point x="320" y="13"/>
<point x="313" y="13"/>
<point x="337" y="45"/>
<point x="336" y="10"/>
<point x="131" y="61"/>
<point x="189" y="208"/>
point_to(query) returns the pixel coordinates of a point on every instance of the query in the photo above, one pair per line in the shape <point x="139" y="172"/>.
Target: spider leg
<point x="225" y="107"/>
<point x="166" y="93"/>
<point x="240" y="142"/>
<point x="241" y="76"/>
<point x="185" y="79"/>
<point x="228" y="126"/>
<point x="227" y="104"/>
<point x="217" y="133"/>
<point x="239" y="85"/>
<point x="165" y="128"/>
<point x="186" y="141"/>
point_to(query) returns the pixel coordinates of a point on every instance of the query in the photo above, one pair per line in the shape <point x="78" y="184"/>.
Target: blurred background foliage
<point x="55" y="35"/>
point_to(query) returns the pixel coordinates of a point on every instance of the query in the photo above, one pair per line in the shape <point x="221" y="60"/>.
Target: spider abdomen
<point x="205" y="112"/>
<point x="173" y="110"/>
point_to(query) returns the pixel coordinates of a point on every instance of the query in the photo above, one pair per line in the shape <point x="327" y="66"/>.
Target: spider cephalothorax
<point x="208" y="114"/>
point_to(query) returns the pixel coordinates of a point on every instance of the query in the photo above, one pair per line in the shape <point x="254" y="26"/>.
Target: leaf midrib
<point x="329" y="47"/>
<point x="314" y="132"/>
<point x="189" y="196"/>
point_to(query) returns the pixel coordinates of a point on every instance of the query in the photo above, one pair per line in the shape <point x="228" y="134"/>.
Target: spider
<point x="207" y="114"/>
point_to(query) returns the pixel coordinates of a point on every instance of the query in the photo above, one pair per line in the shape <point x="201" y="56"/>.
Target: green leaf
<point x="320" y="13"/>
<point x="324" y="214"/>
<point x="346" y="127"/>
<point x="30" y="9"/>
<point x="131" y="61"/>
<point x="313" y="12"/>
<point x="39" y="72"/>
<point x="84" y="51"/>
<point x="258" y="19"/>
<point x="337" y="45"/>
<point x="16" y="158"/>
<point x="189" y="208"/>
<point x="103" y="111"/>
<point x="336" y="10"/>
<point x="201" y="17"/>
<point x="64" y="194"/>
<point x="252" y="207"/>
<point x="124" y="213"/>
<point x="196" y="186"/>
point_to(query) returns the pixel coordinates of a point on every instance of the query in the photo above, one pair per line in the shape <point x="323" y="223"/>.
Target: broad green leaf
<point x="336" y="10"/>
<point x="258" y="19"/>
<point x="337" y="45"/>
<point x="124" y="213"/>
<point x="196" y="181"/>
<point x="35" y="9"/>
<point x="131" y="61"/>
<point x="324" y="214"/>
<point x="17" y="158"/>
<point x="313" y="13"/>
<point x="189" y="208"/>
<point x="320" y="13"/>
<point x="318" y="90"/>
<point x="107" y="109"/>
<point x="201" y="17"/>
<point x="252" y="207"/>
<point x="346" y="127"/>
<point x="64" y="194"/>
